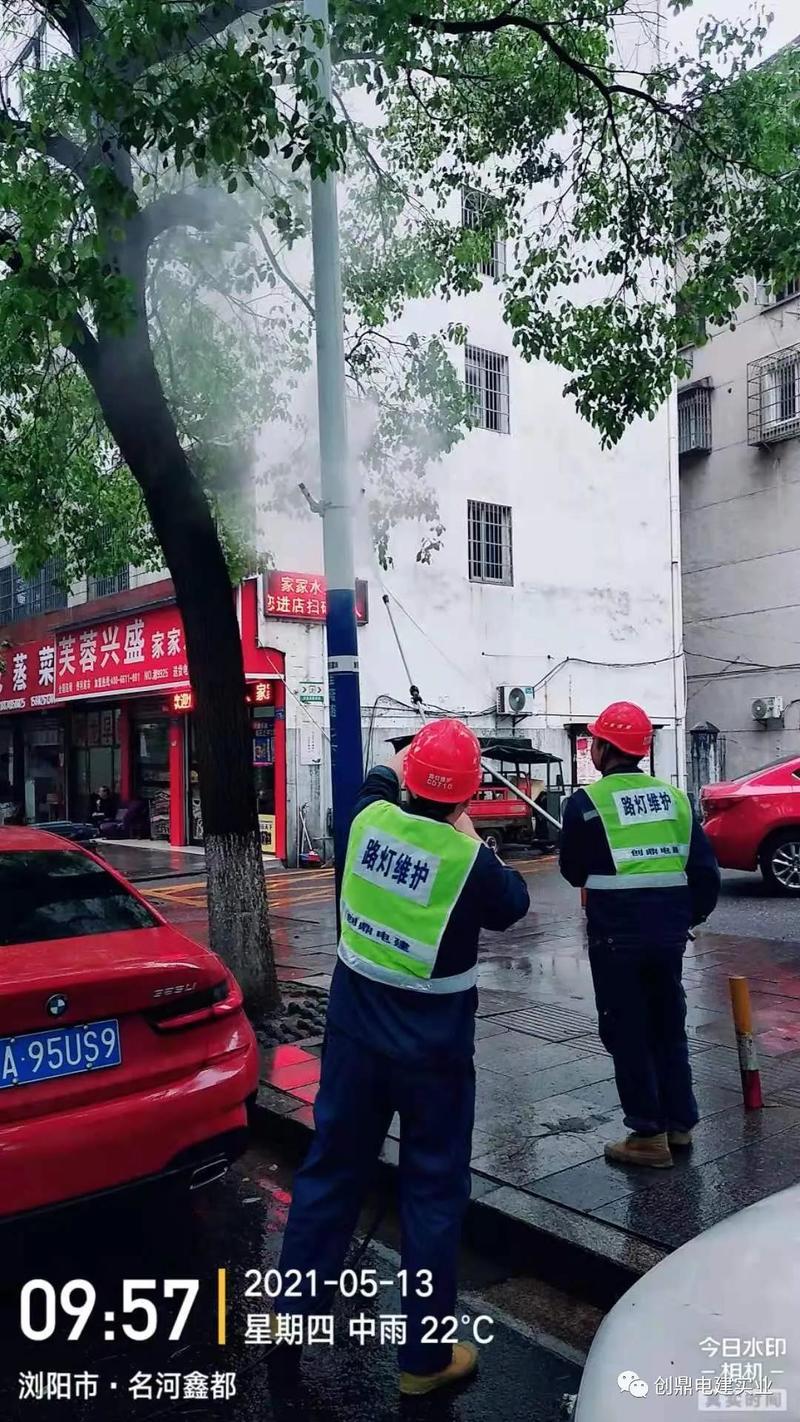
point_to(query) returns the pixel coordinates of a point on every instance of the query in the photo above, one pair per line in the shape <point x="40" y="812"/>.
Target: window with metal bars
<point x="694" y="420"/>
<point x="487" y="387"/>
<point x="479" y="213"/>
<point x="690" y="323"/>
<point x="489" y="543"/>
<point x="22" y="597"/>
<point x="785" y="292"/>
<point x="7" y="591"/>
<point x="773" y="397"/>
<point x="114" y="583"/>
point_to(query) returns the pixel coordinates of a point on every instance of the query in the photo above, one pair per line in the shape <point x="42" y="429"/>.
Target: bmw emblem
<point x="56" y="1005"/>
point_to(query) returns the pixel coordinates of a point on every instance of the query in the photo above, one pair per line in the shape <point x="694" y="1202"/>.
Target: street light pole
<point x="336" y="496"/>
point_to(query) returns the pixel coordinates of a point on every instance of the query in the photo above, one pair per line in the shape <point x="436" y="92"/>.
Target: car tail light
<point x="714" y="803"/>
<point x="220" y="1000"/>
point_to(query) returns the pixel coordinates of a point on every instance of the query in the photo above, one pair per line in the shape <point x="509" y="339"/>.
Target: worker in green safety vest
<point x="633" y="843"/>
<point x="419" y="885"/>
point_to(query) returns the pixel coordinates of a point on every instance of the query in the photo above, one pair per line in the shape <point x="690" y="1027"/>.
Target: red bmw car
<point x="125" y="1053"/>
<point x="754" y="823"/>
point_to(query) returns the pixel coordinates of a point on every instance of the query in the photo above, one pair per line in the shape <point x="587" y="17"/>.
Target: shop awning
<point x="518" y="749"/>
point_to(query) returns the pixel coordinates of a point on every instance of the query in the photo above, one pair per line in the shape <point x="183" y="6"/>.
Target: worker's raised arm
<point x="501" y="892"/>
<point x="382" y="783"/>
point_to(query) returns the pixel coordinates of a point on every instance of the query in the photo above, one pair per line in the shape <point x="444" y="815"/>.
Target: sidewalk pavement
<point x="144" y="860"/>
<point x="546" y="1098"/>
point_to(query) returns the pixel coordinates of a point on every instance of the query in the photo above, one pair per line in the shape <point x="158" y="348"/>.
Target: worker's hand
<point x="397" y="763"/>
<point x="465" y="826"/>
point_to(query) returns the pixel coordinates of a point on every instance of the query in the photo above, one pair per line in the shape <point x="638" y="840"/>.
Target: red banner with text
<point x="135" y="652"/>
<point x="28" y="680"/>
<point x="303" y="597"/>
<point x="142" y="651"/>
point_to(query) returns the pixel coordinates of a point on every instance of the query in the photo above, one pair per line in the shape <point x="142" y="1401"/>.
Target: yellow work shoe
<point x="641" y="1150"/>
<point x="462" y="1364"/>
<point x="681" y="1139"/>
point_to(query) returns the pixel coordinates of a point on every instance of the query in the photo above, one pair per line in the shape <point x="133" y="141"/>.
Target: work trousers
<point x="359" y="1093"/>
<point x="641" y="1007"/>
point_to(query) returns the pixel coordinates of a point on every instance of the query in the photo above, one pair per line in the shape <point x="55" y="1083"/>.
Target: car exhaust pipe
<point x="208" y="1174"/>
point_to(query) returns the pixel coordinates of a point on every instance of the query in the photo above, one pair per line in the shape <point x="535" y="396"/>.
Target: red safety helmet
<point x="443" y="763"/>
<point x="626" y="726"/>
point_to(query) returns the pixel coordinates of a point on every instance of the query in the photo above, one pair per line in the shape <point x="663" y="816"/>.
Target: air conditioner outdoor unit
<point x="514" y="700"/>
<point x="767" y="708"/>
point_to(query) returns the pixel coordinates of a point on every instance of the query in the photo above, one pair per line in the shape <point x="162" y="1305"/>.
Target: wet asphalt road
<point x="748" y="908"/>
<point x="236" y="1224"/>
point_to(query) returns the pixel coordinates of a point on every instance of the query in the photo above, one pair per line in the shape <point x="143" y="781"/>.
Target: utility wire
<point x="585" y="661"/>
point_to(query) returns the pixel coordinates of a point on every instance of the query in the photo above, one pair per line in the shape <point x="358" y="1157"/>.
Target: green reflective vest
<point x="402" y="878"/>
<point x="648" y="825"/>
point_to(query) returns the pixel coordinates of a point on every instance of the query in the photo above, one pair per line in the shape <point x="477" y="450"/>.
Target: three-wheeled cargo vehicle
<point x="499" y="815"/>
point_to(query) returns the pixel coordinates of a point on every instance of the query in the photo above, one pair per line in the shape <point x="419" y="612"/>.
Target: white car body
<point x="736" y="1285"/>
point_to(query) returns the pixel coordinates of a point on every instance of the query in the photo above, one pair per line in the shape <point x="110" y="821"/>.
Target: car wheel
<point x="493" y="838"/>
<point x="780" y="862"/>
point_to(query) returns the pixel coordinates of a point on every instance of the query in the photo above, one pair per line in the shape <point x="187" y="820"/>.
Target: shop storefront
<point x="267" y="724"/>
<point x="109" y="704"/>
<point x="44" y="761"/>
<point x="94" y="757"/>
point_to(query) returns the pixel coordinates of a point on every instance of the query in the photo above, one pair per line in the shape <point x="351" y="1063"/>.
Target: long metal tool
<point x="537" y="809"/>
<point x="417" y="702"/>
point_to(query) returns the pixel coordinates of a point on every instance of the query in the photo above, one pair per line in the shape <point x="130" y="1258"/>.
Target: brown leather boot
<point x="680" y="1139"/>
<point x="462" y="1365"/>
<point x="641" y="1150"/>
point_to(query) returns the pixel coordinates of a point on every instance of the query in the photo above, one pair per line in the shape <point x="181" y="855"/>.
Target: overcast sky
<point x="785" y="26"/>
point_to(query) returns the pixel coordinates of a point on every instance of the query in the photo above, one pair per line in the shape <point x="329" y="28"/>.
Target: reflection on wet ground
<point x="235" y="1226"/>
<point x="546" y="1097"/>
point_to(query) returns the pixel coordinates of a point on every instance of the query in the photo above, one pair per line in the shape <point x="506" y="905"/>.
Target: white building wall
<point x="740" y="534"/>
<point x="594" y="611"/>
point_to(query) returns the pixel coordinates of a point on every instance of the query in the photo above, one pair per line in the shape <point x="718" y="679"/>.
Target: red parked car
<point x="125" y="1053"/>
<point x="754" y="822"/>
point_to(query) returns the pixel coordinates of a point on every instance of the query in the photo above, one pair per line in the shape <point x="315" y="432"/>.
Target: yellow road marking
<point x="296" y="889"/>
<point x="293" y="876"/>
<point x="310" y="905"/>
<point x="180" y="888"/>
<point x="323" y="892"/>
<point x="275" y="901"/>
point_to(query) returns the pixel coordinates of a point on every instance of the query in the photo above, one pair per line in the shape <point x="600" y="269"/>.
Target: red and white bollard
<point x="748" y="1056"/>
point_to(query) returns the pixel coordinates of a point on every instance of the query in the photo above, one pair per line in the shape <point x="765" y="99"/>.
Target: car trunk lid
<point x="106" y="975"/>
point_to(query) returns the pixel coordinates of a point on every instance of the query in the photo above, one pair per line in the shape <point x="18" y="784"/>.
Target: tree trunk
<point x="127" y="385"/>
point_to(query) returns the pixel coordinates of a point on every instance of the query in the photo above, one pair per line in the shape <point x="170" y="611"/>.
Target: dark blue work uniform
<point x="637" y="938"/>
<point x="391" y="1050"/>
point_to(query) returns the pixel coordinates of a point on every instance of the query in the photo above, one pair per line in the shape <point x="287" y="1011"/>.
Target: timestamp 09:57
<point x="351" y="1283"/>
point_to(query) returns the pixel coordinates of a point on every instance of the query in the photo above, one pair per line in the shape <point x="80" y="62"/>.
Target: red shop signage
<point x="259" y="693"/>
<point x="303" y="597"/>
<point x="28" y="679"/>
<point x="142" y="651"/>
